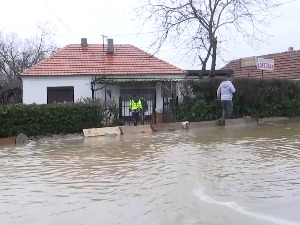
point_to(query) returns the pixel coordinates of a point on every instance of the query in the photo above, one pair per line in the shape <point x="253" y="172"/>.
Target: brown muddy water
<point x="223" y="175"/>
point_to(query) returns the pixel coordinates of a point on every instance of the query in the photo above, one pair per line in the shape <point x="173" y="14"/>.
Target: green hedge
<point x="254" y="97"/>
<point x="48" y="119"/>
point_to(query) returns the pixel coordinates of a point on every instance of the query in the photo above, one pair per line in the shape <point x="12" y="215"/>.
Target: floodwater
<point x="223" y="175"/>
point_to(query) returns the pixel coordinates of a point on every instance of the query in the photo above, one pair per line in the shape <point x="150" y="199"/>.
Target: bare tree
<point x="202" y="25"/>
<point x="16" y="55"/>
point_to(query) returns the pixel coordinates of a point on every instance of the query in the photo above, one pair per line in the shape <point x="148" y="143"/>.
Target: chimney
<point x="110" y="46"/>
<point x="84" y="42"/>
<point x="290" y="49"/>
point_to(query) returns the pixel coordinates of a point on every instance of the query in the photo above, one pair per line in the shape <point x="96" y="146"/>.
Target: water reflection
<point x="232" y="175"/>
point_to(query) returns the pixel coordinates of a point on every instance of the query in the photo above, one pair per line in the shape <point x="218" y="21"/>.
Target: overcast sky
<point x="74" y="19"/>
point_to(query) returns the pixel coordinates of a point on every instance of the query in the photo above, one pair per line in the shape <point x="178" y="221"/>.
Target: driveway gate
<point x="170" y="102"/>
<point x="127" y="94"/>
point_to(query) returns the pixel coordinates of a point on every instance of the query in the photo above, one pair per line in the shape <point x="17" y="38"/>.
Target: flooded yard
<point x="222" y="175"/>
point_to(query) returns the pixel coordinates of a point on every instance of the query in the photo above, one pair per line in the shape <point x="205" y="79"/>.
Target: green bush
<point x="48" y="119"/>
<point x="254" y="97"/>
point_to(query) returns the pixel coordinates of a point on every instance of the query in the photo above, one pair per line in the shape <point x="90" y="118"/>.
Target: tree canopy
<point x="18" y="54"/>
<point x="202" y="27"/>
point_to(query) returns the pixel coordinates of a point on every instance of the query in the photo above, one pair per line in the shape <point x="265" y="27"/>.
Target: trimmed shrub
<point x="48" y="119"/>
<point x="254" y="97"/>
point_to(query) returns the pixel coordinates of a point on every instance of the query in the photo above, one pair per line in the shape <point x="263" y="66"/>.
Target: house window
<point x="60" y="94"/>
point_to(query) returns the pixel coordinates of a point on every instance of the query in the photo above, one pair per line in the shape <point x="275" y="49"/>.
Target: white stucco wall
<point x="35" y="88"/>
<point x="115" y="92"/>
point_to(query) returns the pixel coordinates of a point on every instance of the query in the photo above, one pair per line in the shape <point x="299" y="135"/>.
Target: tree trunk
<point x="202" y="72"/>
<point x="214" y="57"/>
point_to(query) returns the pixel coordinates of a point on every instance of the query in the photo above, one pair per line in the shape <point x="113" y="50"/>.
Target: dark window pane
<point x="60" y="94"/>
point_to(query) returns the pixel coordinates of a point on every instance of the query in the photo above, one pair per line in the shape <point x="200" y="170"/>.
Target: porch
<point x="160" y="97"/>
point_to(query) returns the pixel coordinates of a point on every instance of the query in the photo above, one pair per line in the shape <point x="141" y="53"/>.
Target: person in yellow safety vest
<point x="135" y="107"/>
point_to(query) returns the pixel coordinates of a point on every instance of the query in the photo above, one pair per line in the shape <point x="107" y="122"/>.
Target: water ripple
<point x="150" y="179"/>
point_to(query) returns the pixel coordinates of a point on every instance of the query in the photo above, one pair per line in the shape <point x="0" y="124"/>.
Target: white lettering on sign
<point x="264" y="64"/>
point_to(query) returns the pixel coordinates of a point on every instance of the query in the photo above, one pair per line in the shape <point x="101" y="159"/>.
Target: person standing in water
<point x="135" y="107"/>
<point x="225" y="92"/>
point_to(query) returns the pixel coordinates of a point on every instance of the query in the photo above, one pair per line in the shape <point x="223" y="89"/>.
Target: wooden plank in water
<point x="166" y="126"/>
<point x="136" y="129"/>
<point x="92" y="132"/>
<point x="8" y="141"/>
<point x="241" y="121"/>
<point x="203" y="124"/>
<point x="273" y="119"/>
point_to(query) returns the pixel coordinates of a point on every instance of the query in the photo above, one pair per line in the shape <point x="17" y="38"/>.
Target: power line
<point x="59" y="18"/>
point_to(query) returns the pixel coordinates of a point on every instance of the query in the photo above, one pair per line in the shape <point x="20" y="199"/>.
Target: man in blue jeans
<point x="225" y="91"/>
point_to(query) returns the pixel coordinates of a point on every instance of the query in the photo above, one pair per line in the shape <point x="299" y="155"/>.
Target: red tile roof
<point x="94" y="60"/>
<point x="286" y="65"/>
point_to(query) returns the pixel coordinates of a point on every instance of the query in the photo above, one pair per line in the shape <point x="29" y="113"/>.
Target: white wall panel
<point x="35" y="88"/>
<point x="115" y="92"/>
